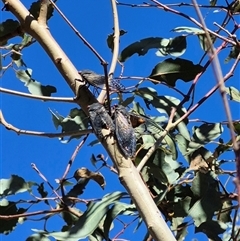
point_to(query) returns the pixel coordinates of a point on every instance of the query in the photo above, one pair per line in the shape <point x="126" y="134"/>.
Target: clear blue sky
<point x="94" y="20"/>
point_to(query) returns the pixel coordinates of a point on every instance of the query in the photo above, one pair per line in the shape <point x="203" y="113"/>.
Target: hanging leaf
<point x="173" y="46"/>
<point x="128" y="101"/>
<point x="35" y="9"/>
<point x="207" y="132"/>
<point x="213" y="2"/>
<point x="235" y="6"/>
<point x="234" y="93"/>
<point x="117" y="209"/>
<point x="190" y="30"/>
<point x="8" y="208"/>
<point x="13" y="185"/>
<point x="176" y="47"/>
<point x="141" y="47"/>
<point x="75" y="121"/>
<point x="167" y="165"/>
<point x="37" y="237"/>
<point x="27" y="40"/>
<point x="212" y="228"/>
<point x="110" y="39"/>
<point x="95" y="176"/>
<point x="196" y="31"/>
<point x="89" y="221"/>
<point x="17" y="56"/>
<point x="170" y="70"/>
<point x="9" y="29"/>
<point x="34" y="86"/>
<point x="233" y="54"/>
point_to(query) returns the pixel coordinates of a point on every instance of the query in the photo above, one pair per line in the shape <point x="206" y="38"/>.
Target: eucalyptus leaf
<point x="76" y="120"/>
<point x="233" y="93"/>
<point x="117" y="209"/>
<point x="34" y="87"/>
<point x="207" y="132"/>
<point x="13" y="185"/>
<point x="7" y="28"/>
<point x="176" y="47"/>
<point x="170" y="70"/>
<point x="89" y="221"/>
<point x="141" y="47"/>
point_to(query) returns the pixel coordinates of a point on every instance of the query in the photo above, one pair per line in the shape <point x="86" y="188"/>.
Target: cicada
<point x="100" y="119"/>
<point x="125" y="133"/>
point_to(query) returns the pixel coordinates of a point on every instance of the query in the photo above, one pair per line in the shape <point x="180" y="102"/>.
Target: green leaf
<point x="205" y="189"/>
<point x="196" y="31"/>
<point x="93" y="143"/>
<point x="24" y="75"/>
<point x="110" y="38"/>
<point x="233" y="54"/>
<point x="56" y="118"/>
<point x="176" y="47"/>
<point x="207" y="132"/>
<point x="183" y="144"/>
<point x="137" y="108"/>
<point x="213" y="2"/>
<point x="182" y="128"/>
<point x="182" y="207"/>
<point x="42" y="192"/>
<point x="27" y="39"/>
<point x="212" y="229"/>
<point x="71" y="218"/>
<point x="235" y="6"/>
<point x="8" y="208"/>
<point x="163" y="104"/>
<point x="141" y="47"/>
<point x="16" y="55"/>
<point x="34" y="86"/>
<point x="75" y="121"/>
<point x="225" y="216"/>
<point x="146" y="92"/>
<point x="8" y="27"/>
<point x="128" y="101"/>
<point x="236" y="127"/>
<point x="89" y="221"/>
<point x="182" y="231"/>
<point x="117" y="209"/>
<point x="170" y="70"/>
<point x="35" y="9"/>
<point x="173" y="46"/>
<point x="37" y="237"/>
<point x="13" y="185"/>
<point x="190" y="30"/>
<point x="233" y="93"/>
<point x="201" y="136"/>
<point x="167" y="166"/>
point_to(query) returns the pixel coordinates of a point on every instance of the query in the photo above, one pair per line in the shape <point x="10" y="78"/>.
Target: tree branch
<point x="128" y="174"/>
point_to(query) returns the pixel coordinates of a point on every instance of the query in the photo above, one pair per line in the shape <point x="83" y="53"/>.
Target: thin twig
<point x="43" y="98"/>
<point x="9" y="217"/>
<point x="73" y="157"/>
<point x="41" y="134"/>
<point x="166" y="8"/>
<point x="78" y="33"/>
<point x="218" y="74"/>
<point x="45" y="179"/>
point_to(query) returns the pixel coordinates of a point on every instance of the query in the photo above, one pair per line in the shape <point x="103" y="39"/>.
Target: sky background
<point x="94" y="21"/>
